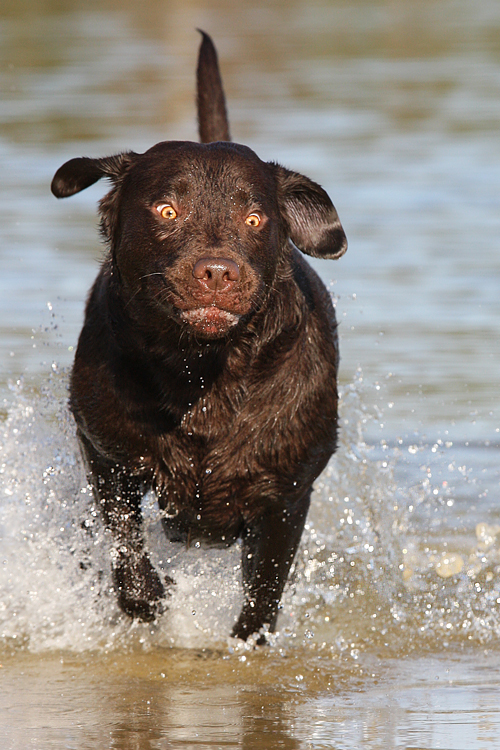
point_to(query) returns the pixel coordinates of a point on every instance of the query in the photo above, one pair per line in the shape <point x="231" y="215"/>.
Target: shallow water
<point x="212" y="700"/>
<point x="388" y="635"/>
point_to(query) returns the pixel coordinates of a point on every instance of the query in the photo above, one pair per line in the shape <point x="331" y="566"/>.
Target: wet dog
<point x="206" y="367"/>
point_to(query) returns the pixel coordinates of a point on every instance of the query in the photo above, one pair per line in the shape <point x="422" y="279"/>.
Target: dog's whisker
<point x="148" y="275"/>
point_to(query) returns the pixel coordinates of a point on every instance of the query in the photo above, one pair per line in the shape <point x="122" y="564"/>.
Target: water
<point x="389" y="629"/>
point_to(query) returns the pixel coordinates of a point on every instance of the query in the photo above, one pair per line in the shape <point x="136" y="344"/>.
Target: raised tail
<point x="213" y="124"/>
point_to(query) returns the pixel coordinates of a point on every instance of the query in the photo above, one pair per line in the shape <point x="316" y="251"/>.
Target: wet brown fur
<point x="218" y="391"/>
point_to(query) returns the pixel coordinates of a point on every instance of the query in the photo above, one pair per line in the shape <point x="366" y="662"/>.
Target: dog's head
<point x="199" y="231"/>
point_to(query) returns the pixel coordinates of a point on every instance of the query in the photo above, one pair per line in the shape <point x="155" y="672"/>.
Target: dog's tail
<point x="213" y="124"/>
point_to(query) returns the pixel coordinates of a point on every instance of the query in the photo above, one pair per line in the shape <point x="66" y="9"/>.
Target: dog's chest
<point x="203" y="483"/>
<point x="210" y="464"/>
<point x="206" y="448"/>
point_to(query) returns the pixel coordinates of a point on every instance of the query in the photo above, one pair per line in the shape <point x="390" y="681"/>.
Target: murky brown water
<point x="191" y="699"/>
<point x="389" y="632"/>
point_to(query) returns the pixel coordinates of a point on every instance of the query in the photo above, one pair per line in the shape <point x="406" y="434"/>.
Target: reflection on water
<point x="389" y="628"/>
<point x="204" y="700"/>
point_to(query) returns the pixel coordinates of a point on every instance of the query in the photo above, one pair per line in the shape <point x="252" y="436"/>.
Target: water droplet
<point x="449" y="565"/>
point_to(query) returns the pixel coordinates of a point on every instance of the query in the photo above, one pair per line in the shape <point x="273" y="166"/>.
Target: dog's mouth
<point x="210" y="322"/>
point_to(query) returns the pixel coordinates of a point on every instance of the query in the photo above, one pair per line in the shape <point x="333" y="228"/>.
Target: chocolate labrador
<point x="206" y="368"/>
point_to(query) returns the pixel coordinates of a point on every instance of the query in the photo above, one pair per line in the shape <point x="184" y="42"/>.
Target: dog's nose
<point x="216" y="274"/>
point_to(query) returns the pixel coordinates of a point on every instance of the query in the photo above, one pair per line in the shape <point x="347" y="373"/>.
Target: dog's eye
<point x="167" y="211"/>
<point x="253" y="220"/>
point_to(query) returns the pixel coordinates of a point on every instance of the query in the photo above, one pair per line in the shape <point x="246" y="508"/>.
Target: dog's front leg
<point x="138" y="586"/>
<point x="269" y="547"/>
<point x="119" y="496"/>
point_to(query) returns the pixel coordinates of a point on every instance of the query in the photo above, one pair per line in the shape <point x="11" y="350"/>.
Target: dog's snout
<point x="216" y="274"/>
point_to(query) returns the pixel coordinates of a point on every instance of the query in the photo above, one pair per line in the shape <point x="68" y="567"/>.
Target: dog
<point x="206" y="368"/>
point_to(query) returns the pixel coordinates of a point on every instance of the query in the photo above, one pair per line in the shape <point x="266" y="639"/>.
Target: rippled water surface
<point x="388" y="635"/>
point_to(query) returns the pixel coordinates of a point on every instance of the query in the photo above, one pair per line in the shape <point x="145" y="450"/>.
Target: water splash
<point x="391" y="559"/>
<point x="384" y="563"/>
<point x="56" y="590"/>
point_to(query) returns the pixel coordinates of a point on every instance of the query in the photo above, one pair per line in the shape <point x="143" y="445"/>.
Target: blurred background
<point x="393" y="106"/>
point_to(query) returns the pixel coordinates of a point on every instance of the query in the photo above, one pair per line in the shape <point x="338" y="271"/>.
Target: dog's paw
<point x="141" y="593"/>
<point x="250" y="627"/>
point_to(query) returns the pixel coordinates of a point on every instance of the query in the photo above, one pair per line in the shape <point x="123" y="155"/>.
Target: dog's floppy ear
<point x="77" y="174"/>
<point x="312" y="221"/>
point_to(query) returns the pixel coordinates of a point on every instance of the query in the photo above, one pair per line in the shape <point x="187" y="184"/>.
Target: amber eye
<point x="253" y="220"/>
<point x="167" y="211"/>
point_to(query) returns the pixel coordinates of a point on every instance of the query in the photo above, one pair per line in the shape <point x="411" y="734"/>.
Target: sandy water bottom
<point x="208" y="699"/>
